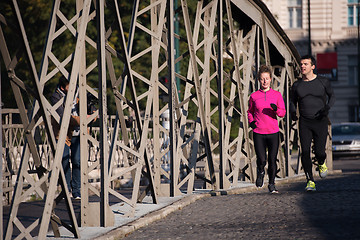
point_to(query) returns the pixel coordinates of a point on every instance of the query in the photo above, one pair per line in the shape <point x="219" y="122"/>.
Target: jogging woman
<point x="265" y="105"/>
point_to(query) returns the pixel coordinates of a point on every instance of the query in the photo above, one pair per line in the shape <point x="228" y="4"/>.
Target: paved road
<point x="332" y="212"/>
<point x="347" y="164"/>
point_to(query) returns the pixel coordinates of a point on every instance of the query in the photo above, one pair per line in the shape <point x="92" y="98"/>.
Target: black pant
<point x="271" y="143"/>
<point x="310" y="129"/>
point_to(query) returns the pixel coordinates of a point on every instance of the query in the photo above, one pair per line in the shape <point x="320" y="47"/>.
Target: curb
<point x="151" y="217"/>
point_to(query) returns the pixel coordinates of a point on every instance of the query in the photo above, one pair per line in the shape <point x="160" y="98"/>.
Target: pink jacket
<point x="261" y="112"/>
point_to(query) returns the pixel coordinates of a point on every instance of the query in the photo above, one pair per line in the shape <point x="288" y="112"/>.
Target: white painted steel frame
<point x="210" y="36"/>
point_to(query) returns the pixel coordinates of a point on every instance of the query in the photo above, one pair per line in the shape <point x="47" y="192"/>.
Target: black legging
<point x="310" y="129"/>
<point x="261" y="143"/>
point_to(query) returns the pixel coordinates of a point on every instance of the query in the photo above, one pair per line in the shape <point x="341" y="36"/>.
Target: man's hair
<point x="263" y="69"/>
<point x="313" y="61"/>
<point x="63" y="82"/>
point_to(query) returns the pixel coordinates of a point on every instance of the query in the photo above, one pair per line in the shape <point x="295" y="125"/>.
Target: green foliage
<point x="36" y="15"/>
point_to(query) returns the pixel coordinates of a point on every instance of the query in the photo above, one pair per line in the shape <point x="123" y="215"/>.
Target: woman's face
<point x="265" y="81"/>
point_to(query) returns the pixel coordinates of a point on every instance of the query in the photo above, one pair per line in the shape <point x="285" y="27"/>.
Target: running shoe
<point x="260" y="179"/>
<point x="310" y="186"/>
<point x="77" y="197"/>
<point x="272" y="188"/>
<point x="323" y="170"/>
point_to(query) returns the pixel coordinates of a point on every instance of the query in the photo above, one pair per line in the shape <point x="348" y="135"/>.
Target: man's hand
<point x="253" y="125"/>
<point x="273" y="106"/>
<point x="322" y="112"/>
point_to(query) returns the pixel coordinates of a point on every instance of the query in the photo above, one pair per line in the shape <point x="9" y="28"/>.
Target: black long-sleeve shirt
<point x="311" y="96"/>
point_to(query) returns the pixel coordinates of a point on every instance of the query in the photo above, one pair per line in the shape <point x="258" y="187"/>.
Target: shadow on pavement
<point x="334" y="209"/>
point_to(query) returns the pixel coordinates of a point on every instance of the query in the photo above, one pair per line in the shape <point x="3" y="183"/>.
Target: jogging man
<point x="314" y="97"/>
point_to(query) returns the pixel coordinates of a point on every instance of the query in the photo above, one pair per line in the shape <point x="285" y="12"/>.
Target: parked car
<point x="346" y="139"/>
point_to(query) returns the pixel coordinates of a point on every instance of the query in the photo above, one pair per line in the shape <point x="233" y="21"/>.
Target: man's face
<point x="306" y="66"/>
<point x="66" y="89"/>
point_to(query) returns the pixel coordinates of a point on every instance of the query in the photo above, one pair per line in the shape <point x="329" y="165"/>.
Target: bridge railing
<point x="13" y="150"/>
<point x="14" y="142"/>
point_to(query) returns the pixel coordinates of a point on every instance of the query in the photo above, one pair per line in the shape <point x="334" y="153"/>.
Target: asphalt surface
<point x="332" y="212"/>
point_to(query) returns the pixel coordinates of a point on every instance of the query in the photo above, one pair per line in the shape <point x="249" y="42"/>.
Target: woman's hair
<point x="263" y="69"/>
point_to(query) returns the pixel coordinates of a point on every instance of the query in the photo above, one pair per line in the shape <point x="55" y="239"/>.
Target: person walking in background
<point x="264" y="107"/>
<point x="314" y="97"/>
<point x="75" y="153"/>
<point x="72" y="177"/>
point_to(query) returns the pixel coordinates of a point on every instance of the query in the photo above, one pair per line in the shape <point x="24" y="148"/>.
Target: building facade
<point x="334" y="37"/>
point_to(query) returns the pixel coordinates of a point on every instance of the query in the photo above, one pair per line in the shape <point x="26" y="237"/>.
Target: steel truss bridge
<point x="218" y="45"/>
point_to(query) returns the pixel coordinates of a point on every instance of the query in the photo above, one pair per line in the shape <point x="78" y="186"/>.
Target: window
<point x="354" y="113"/>
<point x="353" y="70"/>
<point x="295" y="13"/>
<point x="353" y="11"/>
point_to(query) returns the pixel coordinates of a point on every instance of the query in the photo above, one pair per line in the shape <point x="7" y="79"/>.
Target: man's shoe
<point x="310" y="186"/>
<point x="272" y="188"/>
<point x="323" y="170"/>
<point x="260" y="179"/>
<point x="77" y="198"/>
